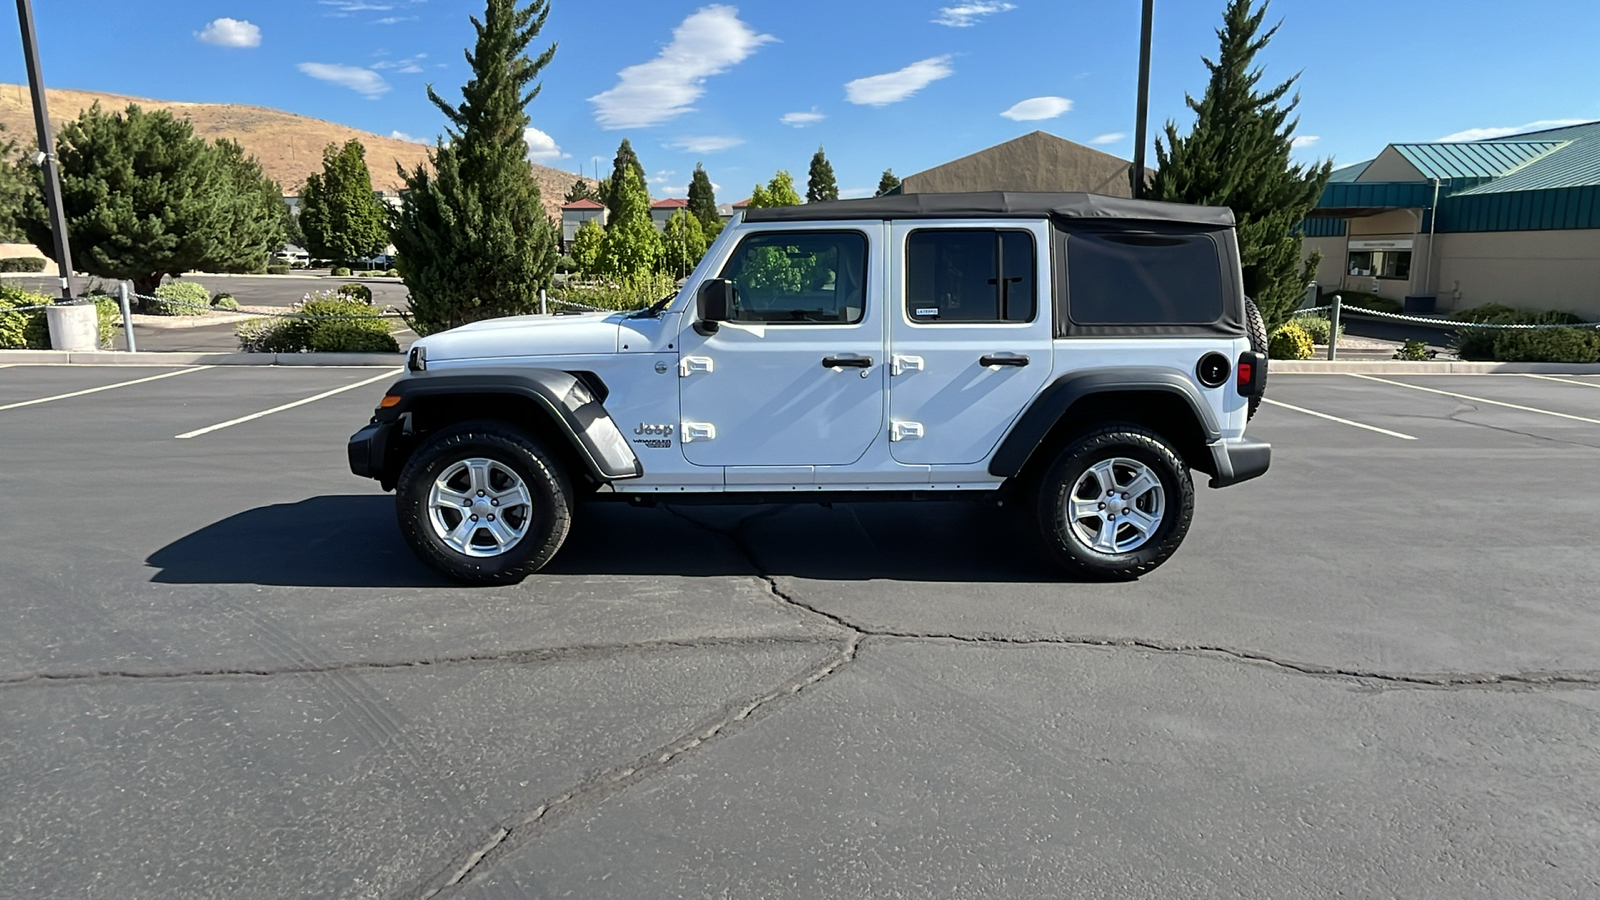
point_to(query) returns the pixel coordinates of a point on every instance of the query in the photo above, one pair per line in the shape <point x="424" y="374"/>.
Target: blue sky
<point x="750" y="87"/>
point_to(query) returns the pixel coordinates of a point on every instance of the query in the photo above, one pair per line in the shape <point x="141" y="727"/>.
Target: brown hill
<point x="289" y="146"/>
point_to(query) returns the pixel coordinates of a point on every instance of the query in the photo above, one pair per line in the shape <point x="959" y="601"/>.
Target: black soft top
<point x="998" y="204"/>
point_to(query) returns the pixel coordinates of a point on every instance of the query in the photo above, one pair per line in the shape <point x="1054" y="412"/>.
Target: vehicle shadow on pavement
<point x="337" y="541"/>
<point x="353" y="541"/>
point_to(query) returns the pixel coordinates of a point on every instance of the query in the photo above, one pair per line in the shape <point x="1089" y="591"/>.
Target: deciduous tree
<point x="632" y="245"/>
<point x="682" y="244"/>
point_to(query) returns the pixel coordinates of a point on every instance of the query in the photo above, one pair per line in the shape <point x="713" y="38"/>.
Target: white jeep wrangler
<point x="1075" y="352"/>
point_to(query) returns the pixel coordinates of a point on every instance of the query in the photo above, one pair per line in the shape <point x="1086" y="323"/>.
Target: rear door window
<point x="1143" y="279"/>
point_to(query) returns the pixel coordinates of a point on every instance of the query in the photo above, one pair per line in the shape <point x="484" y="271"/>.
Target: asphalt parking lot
<point x="1373" y="673"/>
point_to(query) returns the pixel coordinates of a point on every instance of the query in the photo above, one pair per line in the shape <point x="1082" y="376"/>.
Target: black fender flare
<point x="567" y="400"/>
<point x="1052" y="404"/>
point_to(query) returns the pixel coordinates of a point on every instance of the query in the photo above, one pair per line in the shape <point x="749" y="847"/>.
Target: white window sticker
<point x="928" y="312"/>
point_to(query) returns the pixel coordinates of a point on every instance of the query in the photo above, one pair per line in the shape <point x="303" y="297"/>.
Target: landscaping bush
<point x="263" y="336"/>
<point x="224" y="302"/>
<point x="1316" y="326"/>
<point x="184" y="298"/>
<point x="341" y="272"/>
<point x="1289" y="341"/>
<point x="353" y="291"/>
<point x="352" y="336"/>
<point x="22" y="264"/>
<point x="392" y="273"/>
<point x="22" y="330"/>
<point x="1500" y="314"/>
<point x="1415" y="351"/>
<point x="635" y="294"/>
<point x="277" y="270"/>
<point x="566" y="264"/>
<point x="1563" y="345"/>
<point x="1361" y="300"/>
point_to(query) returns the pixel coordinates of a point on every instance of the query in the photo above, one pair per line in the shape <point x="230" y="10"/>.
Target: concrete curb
<point x="1434" y="367"/>
<point x="161" y="358"/>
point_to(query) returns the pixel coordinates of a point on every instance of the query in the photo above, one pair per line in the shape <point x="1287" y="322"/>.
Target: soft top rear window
<point x="1123" y="278"/>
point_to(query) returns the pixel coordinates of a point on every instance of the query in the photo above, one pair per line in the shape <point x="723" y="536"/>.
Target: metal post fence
<point x="127" y="316"/>
<point x="1333" y="328"/>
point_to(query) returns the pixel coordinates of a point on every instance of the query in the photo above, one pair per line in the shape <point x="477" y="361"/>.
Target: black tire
<point x="1256" y="327"/>
<point x="545" y="523"/>
<point x="1071" y="471"/>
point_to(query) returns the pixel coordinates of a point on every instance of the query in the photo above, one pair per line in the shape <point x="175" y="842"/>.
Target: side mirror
<point x="714" y="304"/>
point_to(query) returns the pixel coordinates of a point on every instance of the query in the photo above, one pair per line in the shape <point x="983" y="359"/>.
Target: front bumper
<point x="1240" y="460"/>
<point x="367" y="448"/>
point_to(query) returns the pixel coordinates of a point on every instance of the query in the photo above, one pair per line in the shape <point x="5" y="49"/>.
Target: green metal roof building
<point x="1512" y="219"/>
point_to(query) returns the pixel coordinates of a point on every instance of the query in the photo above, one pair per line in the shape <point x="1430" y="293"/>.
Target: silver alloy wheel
<point x="1116" y="506"/>
<point x="480" y="507"/>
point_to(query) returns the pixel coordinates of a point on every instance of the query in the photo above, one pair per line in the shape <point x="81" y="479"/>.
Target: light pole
<point x="1137" y="175"/>
<point x="47" y="148"/>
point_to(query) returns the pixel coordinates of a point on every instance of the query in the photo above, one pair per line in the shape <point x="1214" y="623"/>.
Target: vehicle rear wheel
<point x="1116" y="503"/>
<point x="1256" y="327"/>
<point x="484" y="503"/>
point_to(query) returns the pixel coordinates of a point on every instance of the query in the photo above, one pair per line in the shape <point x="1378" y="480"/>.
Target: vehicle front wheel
<point x="484" y="503"/>
<point x="1116" y="503"/>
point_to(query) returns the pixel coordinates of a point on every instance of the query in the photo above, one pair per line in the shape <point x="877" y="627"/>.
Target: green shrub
<point x="1315" y="325"/>
<point x="341" y="272"/>
<point x="22" y="330"/>
<point x="1500" y="314"/>
<point x="22" y="264"/>
<point x="297" y="333"/>
<point x="392" y="273"/>
<point x="108" y="315"/>
<point x="277" y="270"/>
<point x="1415" y="351"/>
<point x="354" y="291"/>
<point x="224" y="302"/>
<point x="566" y="264"/>
<point x="264" y="336"/>
<point x="1289" y="341"/>
<point x="1361" y="300"/>
<point x="354" y="336"/>
<point x="184" y="298"/>
<point x="1563" y="345"/>
<point x="635" y="294"/>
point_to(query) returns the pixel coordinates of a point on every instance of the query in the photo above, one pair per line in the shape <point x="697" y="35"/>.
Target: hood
<point x="526" y="336"/>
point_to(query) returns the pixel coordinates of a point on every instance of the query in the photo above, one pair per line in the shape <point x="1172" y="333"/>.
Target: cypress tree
<point x="252" y="224"/>
<point x="625" y="159"/>
<point x="887" y="184"/>
<point x="339" y="214"/>
<point x="632" y="246"/>
<point x="473" y="238"/>
<point x="1238" y="155"/>
<point x="820" y="186"/>
<point x="703" y="199"/>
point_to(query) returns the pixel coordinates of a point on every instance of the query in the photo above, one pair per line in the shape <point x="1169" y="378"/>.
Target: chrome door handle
<point x="1018" y="361"/>
<point x="853" y="362"/>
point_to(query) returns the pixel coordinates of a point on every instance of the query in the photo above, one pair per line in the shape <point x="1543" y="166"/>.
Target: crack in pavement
<point x="512" y="657"/>
<point x="1456" y="417"/>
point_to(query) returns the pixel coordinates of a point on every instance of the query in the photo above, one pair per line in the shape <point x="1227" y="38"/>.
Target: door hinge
<point x="899" y="365"/>
<point x="905" y="431"/>
<point x="698" y="431"/>
<point x="692" y="364"/>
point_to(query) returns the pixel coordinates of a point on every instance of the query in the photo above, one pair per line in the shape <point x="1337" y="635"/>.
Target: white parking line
<point x="1312" y="412"/>
<point x="390" y="373"/>
<point x="1593" y="384"/>
<point x="1532" y="409"/>
<point x="106" y="387"/>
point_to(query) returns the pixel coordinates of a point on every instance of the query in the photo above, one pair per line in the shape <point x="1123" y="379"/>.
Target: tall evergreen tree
<point x="144" y="198"/>
<point x="625" y="159"/>
<point x="341" y="217"/>
<point x="1238" y="155"/>
<point x="586" y="247"/>
<point x="252" y="224"/>
<point x="632" y="246"/>
<point x="14" y="189"/>
<point x="473" y="238"/>
<point x="703" y="199"/>
<point x="580" y="190"/>
<point x="821" y="186"/>
<point x="887" y="184"/>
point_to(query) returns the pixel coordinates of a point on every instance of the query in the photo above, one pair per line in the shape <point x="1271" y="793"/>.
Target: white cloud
<point x="363" y="81"/>
<point x="350" y="6"/>
<point x="965" y="15"/>
<point x="395" y="20"/>
<point x="706" y="43"/>
<point x="411" y="65"/>
<point x="892" y="87"/>
<point x="227" y="32"/>
<point x="1305" y="140"/>
<point x="542" y="147"/>
<point x="1478" y="134"/>
<point x="802" y="119"/>
<point x="1037" y="108"/>
<point x="1110" y="138"/>
<point x="410" y="139"/>
<point x="710" y="143"/>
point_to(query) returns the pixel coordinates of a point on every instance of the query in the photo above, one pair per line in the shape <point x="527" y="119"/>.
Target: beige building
<point x="1033" y="162"/>
<point x="1512" y="220"/>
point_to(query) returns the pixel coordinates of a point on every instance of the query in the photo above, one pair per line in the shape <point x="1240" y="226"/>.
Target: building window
<point x="970" y="276"/>
<point x="1380" y="263"/>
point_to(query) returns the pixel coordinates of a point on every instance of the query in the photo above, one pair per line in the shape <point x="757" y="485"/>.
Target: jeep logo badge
<point x="663" y="430"/>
